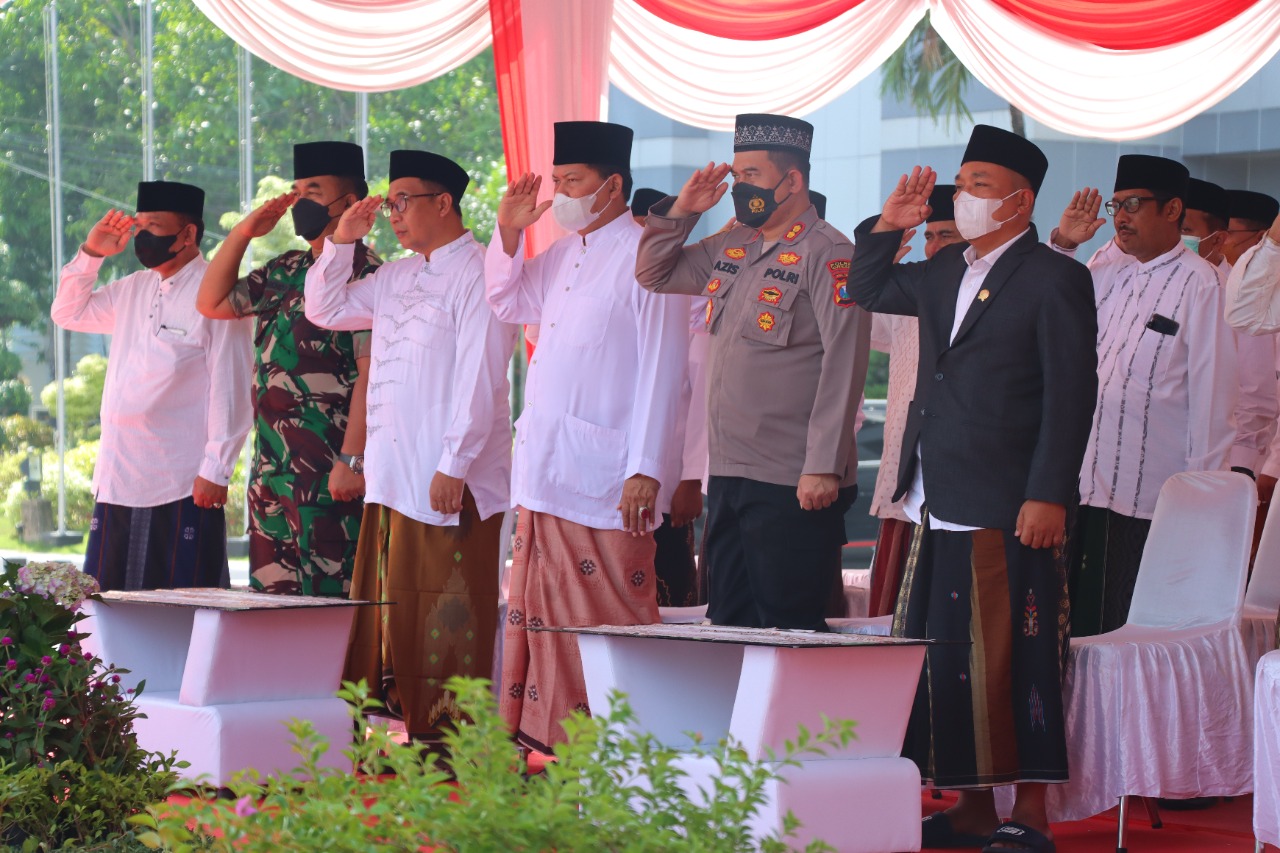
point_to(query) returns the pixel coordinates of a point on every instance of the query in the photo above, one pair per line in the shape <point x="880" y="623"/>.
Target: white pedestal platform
<point x="759" y="686"/>
<point x="226" y="670"/>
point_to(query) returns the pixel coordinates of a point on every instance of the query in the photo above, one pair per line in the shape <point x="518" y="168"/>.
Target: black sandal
<point x="1013" y="836"/>
<point x="936" y="831"/>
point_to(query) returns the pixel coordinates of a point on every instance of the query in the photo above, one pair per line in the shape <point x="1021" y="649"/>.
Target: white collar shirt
<point x="177" y="402"/>
<point x="438" y="397"/>
<point x="970" y="286"/>
<point x="603" y="396"/>
<point x="1167" y="379"/>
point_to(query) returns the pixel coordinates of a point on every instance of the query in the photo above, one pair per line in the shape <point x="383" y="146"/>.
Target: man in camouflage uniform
<point x="308" y="394"/>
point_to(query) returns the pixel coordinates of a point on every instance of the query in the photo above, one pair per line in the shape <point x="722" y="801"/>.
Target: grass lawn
<point x="9" y="541"/>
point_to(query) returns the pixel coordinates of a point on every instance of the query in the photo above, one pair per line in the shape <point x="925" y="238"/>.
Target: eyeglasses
<point x="1130" y="204"/>
<point x="401" y="202"/>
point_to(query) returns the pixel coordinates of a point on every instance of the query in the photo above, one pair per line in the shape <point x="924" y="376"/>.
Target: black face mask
<point x="754" y="205"/>
<point x="310" y="218"/>
<point x="154" y="250"/>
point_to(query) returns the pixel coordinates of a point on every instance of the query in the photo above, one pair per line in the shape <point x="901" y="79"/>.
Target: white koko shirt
<point x="438" y="388"/>
<point x="1165" y="400"/>
<point x="177" y="401"/>
<point x="603" y="394"/>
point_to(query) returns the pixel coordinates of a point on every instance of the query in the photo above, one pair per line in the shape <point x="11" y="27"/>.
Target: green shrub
<point x="19" y="433"/>
<point x="15" y="397"/>
<point x="71" y="769"/>
<point x="82" y="391"/>
<point x="608" y="790"/>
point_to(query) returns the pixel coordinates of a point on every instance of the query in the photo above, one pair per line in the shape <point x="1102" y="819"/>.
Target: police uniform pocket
<point x="767" y="324"/>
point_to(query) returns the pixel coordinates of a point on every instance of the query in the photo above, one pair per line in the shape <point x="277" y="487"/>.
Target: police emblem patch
<point x="713" y="285"/>
<point x="839" y="270"/>
<point x="796" y="231"/>
<point x="765" y="321"/>
<point x="710" y="307"/>
<point x="788" y="259"/>
<point x="756" y="204"/>
<point x="771" y="295"/>
<point x="737" y="253"/>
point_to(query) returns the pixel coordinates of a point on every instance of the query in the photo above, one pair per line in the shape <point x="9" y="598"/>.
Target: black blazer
<point x="1003" y="413"/>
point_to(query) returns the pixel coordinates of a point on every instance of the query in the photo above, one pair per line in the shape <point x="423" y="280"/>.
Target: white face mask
<point x="976" y="217"/>
<point x="574" y="214"/>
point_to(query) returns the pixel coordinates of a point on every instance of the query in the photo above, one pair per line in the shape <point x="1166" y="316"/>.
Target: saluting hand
<point x="357" y="220"/>
<point x="263" y="218"/>
<point x="908" y="204"/>
<point x="519" y="208"/>
<point x="700" y="193"/>
<point x="1080" y="219"/>
<point x="905" y="245"/>
<point x="110" y="235"/>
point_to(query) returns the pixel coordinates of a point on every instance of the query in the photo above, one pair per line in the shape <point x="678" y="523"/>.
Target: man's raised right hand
<point x="263" y="218"/>
<point x="519" y="208"/>
<point x="908" y="204"/>
<point x="700" y="193"/>
<point x="110" y="235"/>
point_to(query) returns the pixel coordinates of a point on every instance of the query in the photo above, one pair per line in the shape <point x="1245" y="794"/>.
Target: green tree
<point x="83" y="397"/>
<point x="197" y="132"/>
<point x="926" y="74"/>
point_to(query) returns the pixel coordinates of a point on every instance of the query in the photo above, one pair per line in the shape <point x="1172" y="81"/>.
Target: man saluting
<point x="176" y="406"/>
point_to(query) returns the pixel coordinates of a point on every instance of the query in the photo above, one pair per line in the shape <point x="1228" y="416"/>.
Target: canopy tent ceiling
<point x="1117" y="70"/>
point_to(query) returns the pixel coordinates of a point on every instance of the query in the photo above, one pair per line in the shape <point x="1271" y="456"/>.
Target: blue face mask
<point x="1192" y="242"/>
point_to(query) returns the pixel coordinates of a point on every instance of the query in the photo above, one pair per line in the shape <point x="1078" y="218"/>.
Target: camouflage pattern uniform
<point x="301" y="541"/>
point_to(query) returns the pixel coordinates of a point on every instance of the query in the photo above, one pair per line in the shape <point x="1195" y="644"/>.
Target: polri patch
<point x="839" y="270"/>
<point x="788" y="259"/>
<point x="713" y="285"/>
<point x="737" y="253"/>
<point x="766" y="321"/>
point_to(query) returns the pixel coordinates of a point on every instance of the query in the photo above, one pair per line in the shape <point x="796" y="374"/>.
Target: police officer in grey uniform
<point x="788" y="362"/>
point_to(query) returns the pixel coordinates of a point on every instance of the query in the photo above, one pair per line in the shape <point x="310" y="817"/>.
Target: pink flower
<point x="115" y="679"/>
<point x="63" y="649"/>
<point x="6" y="641"/>
<point x="31" y="678"/>
<point x="46" y="660"/>
<point x="47" y="704"/>
<point x="11" y="664"/>
<point x="244" y="807"/>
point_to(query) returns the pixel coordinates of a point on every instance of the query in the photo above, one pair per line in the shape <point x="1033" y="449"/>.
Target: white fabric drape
<point x="1069" y="85"/>
<point x="705" y="81"/>
<point x="357" y="45"/>
<point x="1266" y="761"/>
<point x="1089" y="91"/>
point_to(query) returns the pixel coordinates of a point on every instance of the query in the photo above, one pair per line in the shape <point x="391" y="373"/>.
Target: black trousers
<point x="771" y="563"/>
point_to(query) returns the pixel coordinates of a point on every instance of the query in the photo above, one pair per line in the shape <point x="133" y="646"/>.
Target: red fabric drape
<point x="755" y="20"/>
<point x="509" y="70"/>
<point x="1127" y="24"/>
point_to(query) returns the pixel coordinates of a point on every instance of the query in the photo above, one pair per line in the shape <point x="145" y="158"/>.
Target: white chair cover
<point x="1162" y="707"/>
<point x="874" y="625"/>
<point x="1262" y="598"/>
<point x="857" y="592"/>
<point x="1266" y="759"/>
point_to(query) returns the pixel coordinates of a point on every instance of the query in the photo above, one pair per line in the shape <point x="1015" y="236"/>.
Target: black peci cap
<point x="170" y="197"/>
<point x="820" y="202"/>
<point x="1208" y="198"/>
<point x="430" y="167"/>
<point x="1156" y="174"/>
<point x="592" y="142"/>
<point x="942" y="203"/>
<point x="643" y="199"/>
<point x="344" y="159"/>
<point x="1247" y="204"/>
<point x="989" y="144"/>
